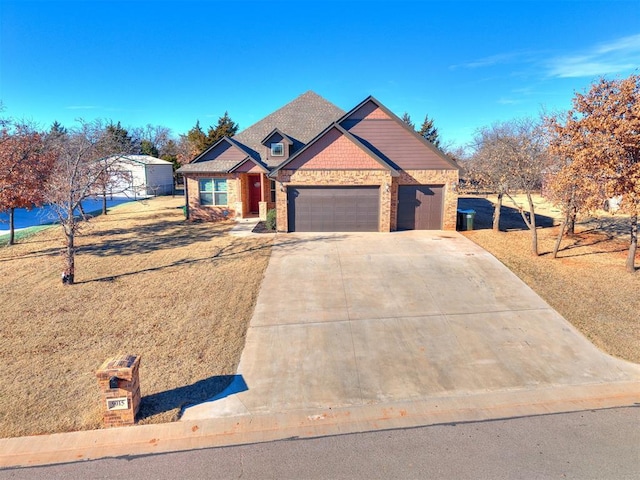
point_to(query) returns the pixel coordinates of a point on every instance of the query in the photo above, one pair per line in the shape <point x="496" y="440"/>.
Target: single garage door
<point x="420" y="207"/>
<point x="333" y="209"/>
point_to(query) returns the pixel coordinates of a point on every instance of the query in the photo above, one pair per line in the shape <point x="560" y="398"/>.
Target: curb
<point x="239" y="430"/>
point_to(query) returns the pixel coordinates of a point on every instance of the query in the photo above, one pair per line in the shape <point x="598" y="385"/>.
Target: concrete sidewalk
<point x="360" y="332"/>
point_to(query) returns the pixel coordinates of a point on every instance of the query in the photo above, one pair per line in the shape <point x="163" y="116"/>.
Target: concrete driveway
<point x="408" y="324"/>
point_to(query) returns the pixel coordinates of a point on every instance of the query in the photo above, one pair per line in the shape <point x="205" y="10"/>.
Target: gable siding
<point x="266" y="154"/>
<point x="376" y="114"/>
<point x="248" y="167"/>
<point x="223" y="152"/>
<point x="334" y="152"/>
<point x="397" y="144"/>
<point x="274" y="138"/>
<point x="367" y="111"/>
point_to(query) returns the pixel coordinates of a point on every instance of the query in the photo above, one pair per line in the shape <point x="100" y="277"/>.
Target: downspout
<point x="186" y="197"/>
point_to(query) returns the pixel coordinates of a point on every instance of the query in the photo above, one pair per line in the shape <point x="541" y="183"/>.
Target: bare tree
<point x="80" y="165"/>
<point x="488" y="166"/>
<point x="511" y="157"/>
<point x="153" y="139"/>
<point x="114" y="144"/>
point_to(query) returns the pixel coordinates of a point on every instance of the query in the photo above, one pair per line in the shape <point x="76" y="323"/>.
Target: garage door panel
<point x="333" y="209"/>
<point x="420" y="207"/>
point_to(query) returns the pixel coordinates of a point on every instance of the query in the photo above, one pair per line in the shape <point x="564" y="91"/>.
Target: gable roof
<point x="144" y="160"/>
<point x="300" y="120"/>
<point x="223" y="162"/>
<point x="369" y="125"/>
<point x="400" y="143"/>
<point x="284" y="136"/>
<point x="335" y="125"/>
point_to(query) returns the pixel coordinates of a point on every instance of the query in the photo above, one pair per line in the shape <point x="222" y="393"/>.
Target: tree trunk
<point x="104" y="201"/>
<point x="631" y="257"/>
<point x="532" y="226"/>
<point x="70" y="260"/>
<point x="571" y="224"/>
<point x="563" y="226"/>
<point x="12" y="230"/>
<point x="496" y="214"/>
<point x="572" y="214"/>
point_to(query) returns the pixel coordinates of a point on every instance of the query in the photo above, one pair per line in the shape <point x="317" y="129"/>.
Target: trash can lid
<point x="466" y="211"/>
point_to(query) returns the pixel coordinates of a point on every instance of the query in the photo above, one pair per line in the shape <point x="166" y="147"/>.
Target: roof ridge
<point x="301" y="119"/>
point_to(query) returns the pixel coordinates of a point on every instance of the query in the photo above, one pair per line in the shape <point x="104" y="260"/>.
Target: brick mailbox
<point x="119" y="390"/>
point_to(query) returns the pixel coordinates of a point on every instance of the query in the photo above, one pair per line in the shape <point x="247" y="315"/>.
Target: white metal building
<point x="142" y="175"/>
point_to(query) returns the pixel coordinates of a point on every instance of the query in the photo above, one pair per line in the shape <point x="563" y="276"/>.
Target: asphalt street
<point x="600" y="444"/>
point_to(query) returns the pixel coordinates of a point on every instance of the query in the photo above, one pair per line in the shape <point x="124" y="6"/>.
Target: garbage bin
<point x="465" y="219"/>
<point x="184" y="211"/>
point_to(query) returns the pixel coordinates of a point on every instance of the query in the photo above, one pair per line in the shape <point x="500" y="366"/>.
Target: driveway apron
<point x="348" y="320"/>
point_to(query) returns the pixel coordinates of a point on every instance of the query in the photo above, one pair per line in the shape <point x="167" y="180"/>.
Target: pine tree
<point x="57" y="130"/>
<point x="148" y="148"/>
<point x="117" y="139"/>
<point x="225" y="128"/>
<point x="406" y="118"/>
<point x="429" y="132"/>
<point x="196" y="139"/>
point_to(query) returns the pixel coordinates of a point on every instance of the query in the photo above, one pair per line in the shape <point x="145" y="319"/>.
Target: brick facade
<point x="125" y="372"/>
<point x="214" y="213"/>
<point x="338" y="154"/>
<point x="380" y="178"/>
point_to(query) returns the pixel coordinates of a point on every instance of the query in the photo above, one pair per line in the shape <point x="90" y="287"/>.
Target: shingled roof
<point x="301" y="120"/>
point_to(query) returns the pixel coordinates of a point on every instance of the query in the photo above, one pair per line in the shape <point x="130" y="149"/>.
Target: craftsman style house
<point x="325" y="170"/>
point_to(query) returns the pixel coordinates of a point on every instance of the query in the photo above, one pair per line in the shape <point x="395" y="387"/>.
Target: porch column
<point x="262" y="205"/>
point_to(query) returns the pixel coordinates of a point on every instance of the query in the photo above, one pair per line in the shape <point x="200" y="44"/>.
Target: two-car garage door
<point x="333" y="209"/>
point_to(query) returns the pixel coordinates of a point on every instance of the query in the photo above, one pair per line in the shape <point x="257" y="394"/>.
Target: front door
<point x="254" y="193"/>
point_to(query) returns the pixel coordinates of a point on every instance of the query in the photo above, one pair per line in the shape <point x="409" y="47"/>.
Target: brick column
<point x="119" y="384"/>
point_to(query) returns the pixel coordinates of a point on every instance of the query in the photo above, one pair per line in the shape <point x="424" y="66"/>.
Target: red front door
<point x="254" y="193"/>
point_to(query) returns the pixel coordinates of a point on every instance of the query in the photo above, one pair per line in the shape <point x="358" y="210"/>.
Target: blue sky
<point x="465" y="64"/>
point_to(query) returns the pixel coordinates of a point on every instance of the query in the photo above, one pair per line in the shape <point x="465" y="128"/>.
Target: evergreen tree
<point x="57" y="130"/>
<point x="429" y="132"/>
<point x="197" y="139"/>
<point x="170" y="154"/>
<point x="117" y="139"/>
<point x="407" y="119"/>
<point x="225" y="128"/>
<point x="148" y="148"/>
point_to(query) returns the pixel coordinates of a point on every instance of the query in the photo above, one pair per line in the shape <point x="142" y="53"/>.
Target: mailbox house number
<point x="117" y="403"/>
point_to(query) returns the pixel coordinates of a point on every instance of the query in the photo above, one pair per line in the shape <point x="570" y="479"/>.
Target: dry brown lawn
<point x="181" y="295"/>
<point x="149" y="283"/>
<point x="587" y="283"/>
